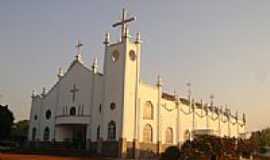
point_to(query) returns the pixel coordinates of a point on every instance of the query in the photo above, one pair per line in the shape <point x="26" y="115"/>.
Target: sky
<point x="220" y="47"/>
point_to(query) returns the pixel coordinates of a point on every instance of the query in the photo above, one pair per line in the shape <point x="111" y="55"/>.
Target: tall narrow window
<point x="112" y="130"/>
<point x="98" y="132"/>
<point x="46" y="134"/>
<point x="169" y="135"/>
<point x="100" y="108"/>
<point x="148" y="111"/>
<point x="113" y="106"/>
<point x="48" y="114"/>
<point x="34" y="133"/>
<point x="147" y="134"/>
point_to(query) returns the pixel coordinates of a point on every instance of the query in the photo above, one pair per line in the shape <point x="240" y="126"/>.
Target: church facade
<point x="115" y="113"/>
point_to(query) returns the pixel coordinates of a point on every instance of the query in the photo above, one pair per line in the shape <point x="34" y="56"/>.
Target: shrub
<point x="171" y="153"/>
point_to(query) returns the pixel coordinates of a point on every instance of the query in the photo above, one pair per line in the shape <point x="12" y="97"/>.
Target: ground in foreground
<point x="12" y="156"/>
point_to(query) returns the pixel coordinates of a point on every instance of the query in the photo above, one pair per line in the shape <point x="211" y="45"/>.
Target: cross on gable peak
<point x="78" y="47"/>
<point x="124" y="23"/>
<point x="79" y="44"/>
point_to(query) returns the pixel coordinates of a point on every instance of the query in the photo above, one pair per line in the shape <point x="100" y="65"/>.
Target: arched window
<point x="148" y="111"/>
<point x="169" y="135"/>
<point x="187" y="135"/>
<point x="113" y="106"/>
<point x="98" y="132"/>
<point x="72" y="111"/>
<point x="34" y="133"/>
<point x="48" y="114"/>
<point x="147" y="134"/>
<point x="46" y="134"/>
<point x="112" y="130"/>
<point x="100" y="108"/>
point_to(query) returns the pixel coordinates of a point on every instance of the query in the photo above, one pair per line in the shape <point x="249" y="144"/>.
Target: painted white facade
<point x="121" y="85"/>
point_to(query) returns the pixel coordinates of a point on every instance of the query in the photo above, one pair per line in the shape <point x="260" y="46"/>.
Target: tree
<point x="246" y="147"/>
<point x="171" y="153"/>
<point x="262" y="138"/>
<point x="20" y="131"/>
<point x="6" y="122"/>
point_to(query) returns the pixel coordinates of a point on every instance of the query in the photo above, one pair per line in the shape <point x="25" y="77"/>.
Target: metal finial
<point x="188" y="84"/>
<point x="212" y="99"/>
<point x="43" y="91"/>
<point x="95" y="65"/>
<point x="33" y="93"/>
<point x="159" y="81"/>
<point x="107" y="38"/>
<point x="138" y="38"/>
<point x="60" y="73"/>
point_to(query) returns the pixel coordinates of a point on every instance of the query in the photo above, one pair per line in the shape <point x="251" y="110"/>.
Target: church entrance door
<point x="79" y="137"/>
<point x="72" y="136"/>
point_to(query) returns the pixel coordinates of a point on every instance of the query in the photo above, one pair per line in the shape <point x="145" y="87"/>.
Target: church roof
<point x="171" y="97"/>
<point x="69" y="68"/>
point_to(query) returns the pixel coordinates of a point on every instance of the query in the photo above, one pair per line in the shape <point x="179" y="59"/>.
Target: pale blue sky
<point x="221" y="47"/>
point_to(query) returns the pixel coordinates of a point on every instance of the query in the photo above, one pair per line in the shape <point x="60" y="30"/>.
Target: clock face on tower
<point x="132" y="55"/>
<point x="115" y="56"/>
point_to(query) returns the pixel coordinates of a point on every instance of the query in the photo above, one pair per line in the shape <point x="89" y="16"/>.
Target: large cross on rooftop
<point x="123" y="23"/>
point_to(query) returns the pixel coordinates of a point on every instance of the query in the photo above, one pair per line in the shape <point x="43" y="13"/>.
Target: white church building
<point x="115" y="113"/>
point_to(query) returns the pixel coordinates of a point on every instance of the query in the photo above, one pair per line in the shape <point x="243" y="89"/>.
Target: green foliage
<point x="262" y="138"/>
<point x="6" y="122"/>
<point x="20" y="131"/>
<point x="211" y="147"/>
<point x="171" y="153"/>
<point x="246" y="147"/>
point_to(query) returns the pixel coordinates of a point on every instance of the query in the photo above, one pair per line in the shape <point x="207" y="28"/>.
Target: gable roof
<point x="68" y="70"/>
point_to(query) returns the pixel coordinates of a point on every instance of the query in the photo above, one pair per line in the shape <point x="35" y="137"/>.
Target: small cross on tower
<point x="124" y="23"/>
<point x="78" y="47"/>
<point x="73" y="91"/>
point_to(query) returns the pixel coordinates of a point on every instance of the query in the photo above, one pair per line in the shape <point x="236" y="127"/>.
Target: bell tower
<point x="121" y="82"/>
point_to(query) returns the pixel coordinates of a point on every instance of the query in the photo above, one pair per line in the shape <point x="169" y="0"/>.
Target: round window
<point x="48" y="114"/>
<point x="115" y="56"/>
<point x="132" y="55"/>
